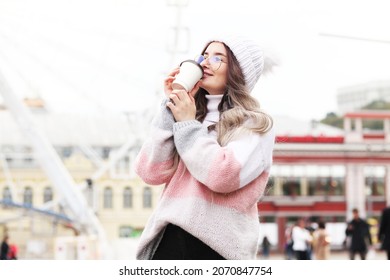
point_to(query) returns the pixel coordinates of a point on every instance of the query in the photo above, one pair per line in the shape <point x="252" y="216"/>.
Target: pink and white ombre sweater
<point x="214" y="191"/>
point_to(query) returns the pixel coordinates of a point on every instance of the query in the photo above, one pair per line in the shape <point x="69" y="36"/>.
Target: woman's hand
<point x="182" y="105"/>
<point x="194" y="90"/>
<point x="168" y="81"/>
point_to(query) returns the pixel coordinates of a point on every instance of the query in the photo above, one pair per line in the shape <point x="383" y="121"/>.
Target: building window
<point x="105" y="152"/>
<point x="7" y="196"/>
<point x="47" y="194"/>
<point x="107" y="203"/>
<point x="325" y="180"/>
<point x="375" y="186"/>
<point x="327" y="186"/>
<point x="375" y="180"/>
<point x="147" y="197"/>
<point x="125" y="231"/>
<point x="291" y="187"/>
<point x="67" y="152"/>
<point x="28" y="196"/>
<point x="127" y="198"/>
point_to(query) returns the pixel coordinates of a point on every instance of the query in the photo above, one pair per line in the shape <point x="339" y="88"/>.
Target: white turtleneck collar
<point x="212" y="116"/>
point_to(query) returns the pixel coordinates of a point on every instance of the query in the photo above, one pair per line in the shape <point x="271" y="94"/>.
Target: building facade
<point x="323" y="177"/>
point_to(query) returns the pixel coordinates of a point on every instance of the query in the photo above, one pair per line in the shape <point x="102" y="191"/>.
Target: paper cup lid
<point x="193" y="62"/>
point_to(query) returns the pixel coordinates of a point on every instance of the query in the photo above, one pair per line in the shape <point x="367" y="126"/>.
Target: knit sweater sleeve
<point x="155" y="160"/>
<point x="222" y="169"/>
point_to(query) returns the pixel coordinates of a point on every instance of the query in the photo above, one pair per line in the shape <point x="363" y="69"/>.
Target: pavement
<point x="334" y="255"/>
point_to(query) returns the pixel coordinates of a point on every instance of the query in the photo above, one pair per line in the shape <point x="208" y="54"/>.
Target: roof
<point x="369" y="114"/>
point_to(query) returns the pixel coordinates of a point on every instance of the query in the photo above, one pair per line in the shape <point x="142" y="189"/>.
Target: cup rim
<point x="193" y="62"/>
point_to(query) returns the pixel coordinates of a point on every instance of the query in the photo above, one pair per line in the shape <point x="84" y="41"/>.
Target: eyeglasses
<point x="215" y="61"/>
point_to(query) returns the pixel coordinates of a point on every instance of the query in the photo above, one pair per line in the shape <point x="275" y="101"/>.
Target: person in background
<point x="266" y="247"/>
<point x="384" y="231"/>
<point x="13" y="252"/>
<point x="211" y="148"/>
<point x="288" y="246"/>
<point x="321" y="242"/>
<point x="358" y="230"/>
<point x="311" y="229"/>
<point x="4" y="249"/>
<point x="301" y="240"/>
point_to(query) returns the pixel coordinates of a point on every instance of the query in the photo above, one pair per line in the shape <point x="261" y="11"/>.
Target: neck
<point x="212" y="116"/>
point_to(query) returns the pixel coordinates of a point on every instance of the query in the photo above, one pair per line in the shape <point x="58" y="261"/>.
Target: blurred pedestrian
<point x="311" y="229"/>
<point x="384" y="231"/>
<point x="4" y="248"/>
<point x="13" y="252"/>
<point x="288" y="246"/>
<point x="265" y="247"/>
<point x="321" y="242"/>
<point x="360" y="238"/>
<point x="301" y="240"/>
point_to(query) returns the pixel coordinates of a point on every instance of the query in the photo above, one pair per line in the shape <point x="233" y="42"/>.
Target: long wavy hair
<point x="239" y="112"/>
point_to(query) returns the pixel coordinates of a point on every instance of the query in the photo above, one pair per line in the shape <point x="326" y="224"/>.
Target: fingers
<point x="182" y="105"/>
<point x="174" y="98"/>
<point x="181" y="95"/>
<point x="174" y="71"/>
<point x="195" y="89"/>
<point x="168" y="81"/>
<point x="170" y="105"/>
<point x="172" y="74"/>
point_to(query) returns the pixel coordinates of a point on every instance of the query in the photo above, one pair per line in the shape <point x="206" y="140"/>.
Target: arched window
<point x="107" y="201"/>
<point x="28" y="196"/>
<point x="7" y="196"/>
<point x="127" y="198"/>
<point x="147" y="197"/>
<point x="47" y="194"/>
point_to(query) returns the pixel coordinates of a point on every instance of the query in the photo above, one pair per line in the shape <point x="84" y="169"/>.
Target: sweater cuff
<point x="164" y="119"/>
<point x="179" y="125"/>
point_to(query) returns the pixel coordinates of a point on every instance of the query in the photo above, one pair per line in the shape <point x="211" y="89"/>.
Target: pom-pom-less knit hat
<point x="250" y="56"/>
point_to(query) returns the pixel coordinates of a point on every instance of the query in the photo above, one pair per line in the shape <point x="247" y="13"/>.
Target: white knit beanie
<point x="251" y="57"/>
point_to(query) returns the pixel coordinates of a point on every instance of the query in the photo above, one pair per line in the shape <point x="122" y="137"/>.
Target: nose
<point x="204" y="62"/>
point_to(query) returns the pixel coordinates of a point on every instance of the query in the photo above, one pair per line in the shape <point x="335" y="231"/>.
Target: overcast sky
<point x="110" y="56"/>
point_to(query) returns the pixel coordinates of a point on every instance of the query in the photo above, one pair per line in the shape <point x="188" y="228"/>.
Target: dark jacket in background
<point x="384" y="229"/>
<point x="360" y="235"/>
<point x="4" y="251"/>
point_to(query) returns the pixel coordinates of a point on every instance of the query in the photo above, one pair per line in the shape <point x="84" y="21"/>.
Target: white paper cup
<point x="190" y="73"/>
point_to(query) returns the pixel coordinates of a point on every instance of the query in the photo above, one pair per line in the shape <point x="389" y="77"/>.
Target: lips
<point x="207" y="74"/>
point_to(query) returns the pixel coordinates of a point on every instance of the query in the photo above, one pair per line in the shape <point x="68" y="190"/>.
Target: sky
<point x="111" y="56"/>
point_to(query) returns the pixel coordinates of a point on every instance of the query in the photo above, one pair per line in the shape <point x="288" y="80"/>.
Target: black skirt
<point x="177" y="244"/>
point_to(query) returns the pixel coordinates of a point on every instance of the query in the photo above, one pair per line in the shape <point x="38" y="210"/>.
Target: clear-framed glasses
<point x="215" y="61"/>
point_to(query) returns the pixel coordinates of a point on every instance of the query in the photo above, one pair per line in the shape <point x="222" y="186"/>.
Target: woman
<point x="321" y="243"/>
<point x="301" y="240"/>
<point x="212" y="148"/>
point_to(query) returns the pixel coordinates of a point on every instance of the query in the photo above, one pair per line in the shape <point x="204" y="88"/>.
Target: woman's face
<point x="215" y="69"/>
